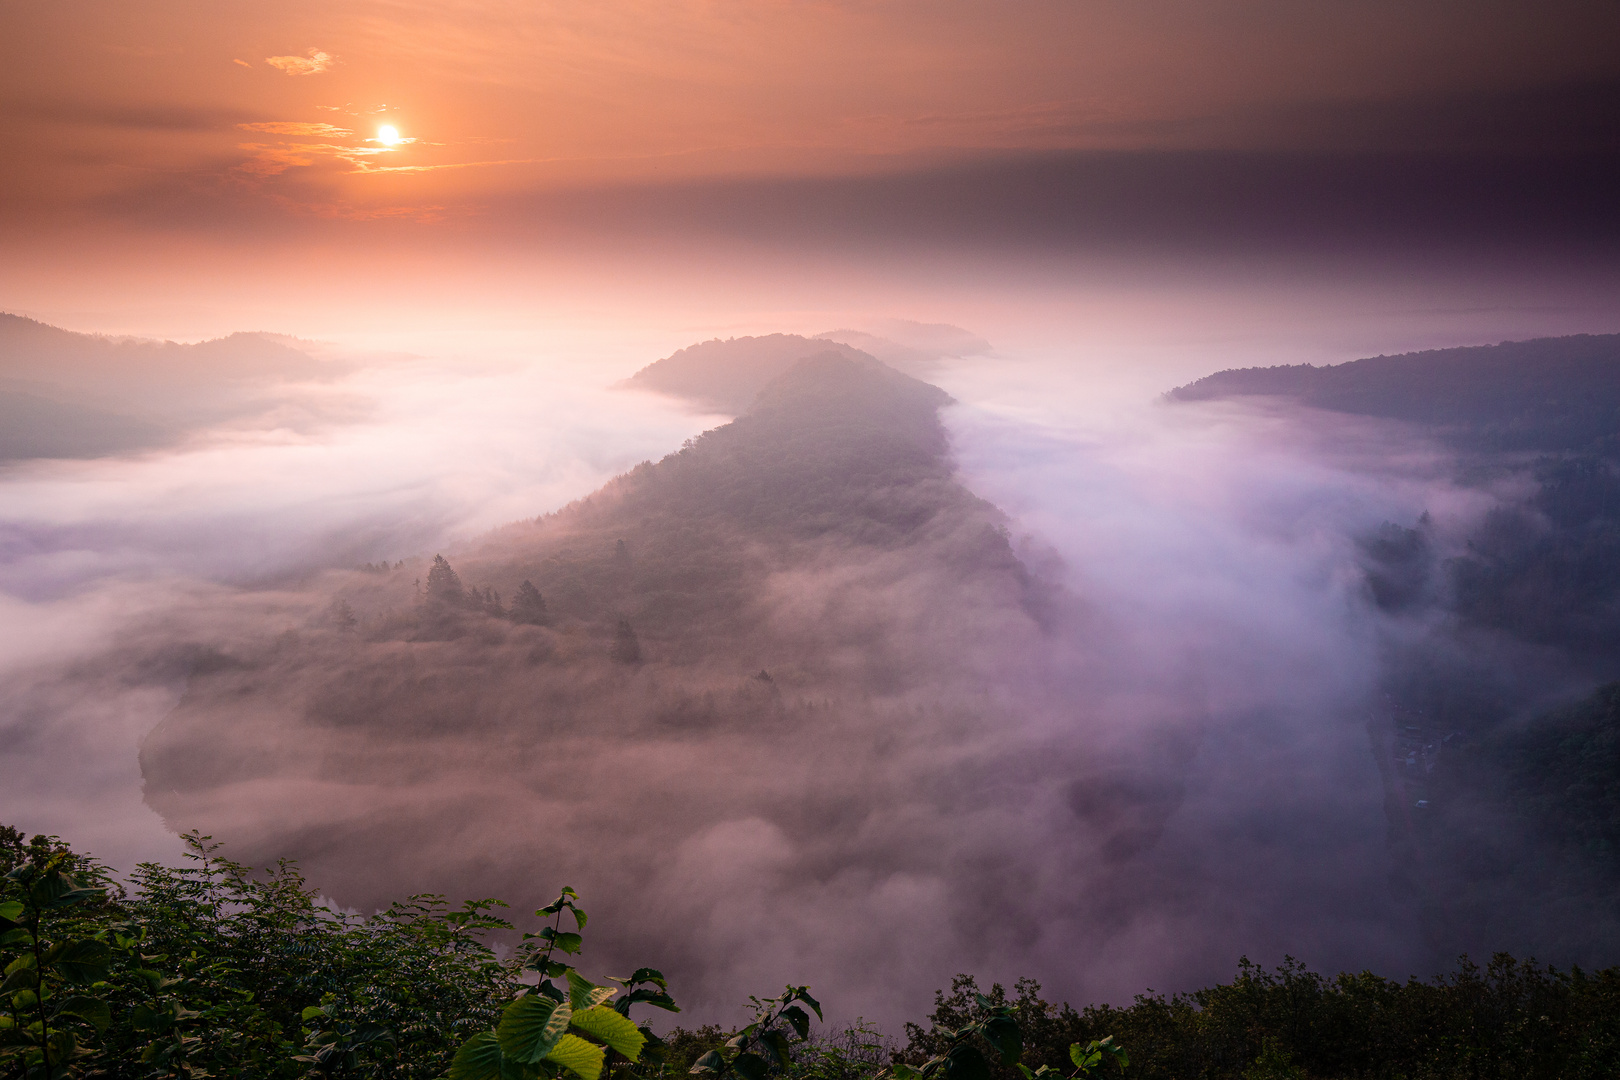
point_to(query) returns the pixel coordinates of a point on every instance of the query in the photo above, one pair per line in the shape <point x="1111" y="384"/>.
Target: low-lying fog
<point x="1211" y="549"/>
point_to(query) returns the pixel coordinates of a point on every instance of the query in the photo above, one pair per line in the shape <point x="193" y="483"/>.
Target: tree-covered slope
<point x="798" y="634"/>
<point x="1548" y="394"/>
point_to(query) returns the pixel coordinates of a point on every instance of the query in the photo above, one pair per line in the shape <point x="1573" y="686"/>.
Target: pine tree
<point x="341" y="616"/>
<point x="528" y="606"/>
<point x="444" y="588"/>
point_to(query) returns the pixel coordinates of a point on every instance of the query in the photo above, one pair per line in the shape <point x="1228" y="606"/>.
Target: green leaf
<point x="568" y="943"/>
<point x="578" y="1056"/>
<point x="478" y="1059"/>
<point x="95" y="1010"/>
<point x="803" y="994"/>
<point x="1084" y="1057"/>
<point x="750" y="1066"/>
<point x="1002" y="1033"/>
<point x="779" y="1047"/>
<point x="799" y="1019"/>
<point x="145" y="1018"/>
<point x="85" y="961"/>
<point x="20" y="975"/>
<point x="709" y="1064"/>
<point x="646" y="975"/>
<point x="11" y="910"/>
<point x="582" y="993"/>
<point x="311" y="1012"/>
<point x="579" y="917"/>
<point x="531" y="1026"/>
<point x="655" y="998"/>
<point x="611" y="1028"/>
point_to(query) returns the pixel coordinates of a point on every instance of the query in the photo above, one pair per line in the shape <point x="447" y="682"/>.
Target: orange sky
<point x="110" y="107"/>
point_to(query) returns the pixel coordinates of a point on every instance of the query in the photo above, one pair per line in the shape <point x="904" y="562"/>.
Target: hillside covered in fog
<point x="1503" y="779"/>
<point x="792" y="698"/>
<point x="774" y="662"/>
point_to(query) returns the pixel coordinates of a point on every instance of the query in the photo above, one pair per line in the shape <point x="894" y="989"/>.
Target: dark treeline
<point x="211" y="969"/>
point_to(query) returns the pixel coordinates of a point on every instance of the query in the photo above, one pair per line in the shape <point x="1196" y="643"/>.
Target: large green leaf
<point x="20" y="974"/>
<point x="11" y="910"/>
<point x="95" y="1010"/>
<point x="750" y="1066"/>
<point x="1002" y="1033"/>
<point x="799" y="1019"/>
<point x="582" y="994"/>
<point x="618" y="1032"/>
<point x="578" y="1056"/>
<point x="478" y="1059"/>
<point x="85" y="961"/>
<point x="778" y="1045"/>
<point x="531" y="1026"/>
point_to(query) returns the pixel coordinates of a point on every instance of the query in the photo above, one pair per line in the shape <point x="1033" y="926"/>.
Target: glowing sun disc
<point x="387" y="135"/>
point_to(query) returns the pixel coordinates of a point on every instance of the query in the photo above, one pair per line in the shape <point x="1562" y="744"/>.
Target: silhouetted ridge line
<point x="1540" y="395"/>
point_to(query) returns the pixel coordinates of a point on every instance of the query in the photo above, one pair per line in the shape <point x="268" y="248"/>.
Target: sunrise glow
<point x="977" y="509"/>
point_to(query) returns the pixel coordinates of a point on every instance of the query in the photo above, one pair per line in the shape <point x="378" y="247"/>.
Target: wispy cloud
<point x="294" y="127"/>
<point x="313" y="64"/>
<point x="271" y="159"/>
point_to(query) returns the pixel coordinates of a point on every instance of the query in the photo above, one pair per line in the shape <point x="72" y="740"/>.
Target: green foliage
<point x="764" y="1047"/>
<point x="210" y="970"/>
<point x="541" y="1033"/>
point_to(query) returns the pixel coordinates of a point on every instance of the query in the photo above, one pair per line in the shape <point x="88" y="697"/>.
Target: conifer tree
<point x="444" y="587"/>
<point x="528" y="606"/>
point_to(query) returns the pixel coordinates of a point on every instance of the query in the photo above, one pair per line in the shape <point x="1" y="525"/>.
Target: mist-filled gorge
<point x="1079" y="540"/>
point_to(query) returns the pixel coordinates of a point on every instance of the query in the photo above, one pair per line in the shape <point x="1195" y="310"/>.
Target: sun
<point x="388" y="135"/>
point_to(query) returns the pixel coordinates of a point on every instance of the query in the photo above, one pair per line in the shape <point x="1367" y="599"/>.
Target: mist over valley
<point x="873" y="684"/>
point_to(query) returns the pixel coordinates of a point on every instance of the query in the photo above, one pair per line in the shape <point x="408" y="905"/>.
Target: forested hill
<point x="792" y="626"/>
<point x="1548" y="394"/>
<point x="727" y="375"/>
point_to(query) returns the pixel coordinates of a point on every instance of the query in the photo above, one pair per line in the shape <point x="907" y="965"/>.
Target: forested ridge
<point x="214" y="968"/>
<point x="804" y="592"/>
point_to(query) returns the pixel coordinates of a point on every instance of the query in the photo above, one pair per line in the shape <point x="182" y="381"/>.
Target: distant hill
<point x="66" y="394"/>
<point x="726" y="375"/>
<point x="1547" y="394"/>
<point x="37" y="427"/>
